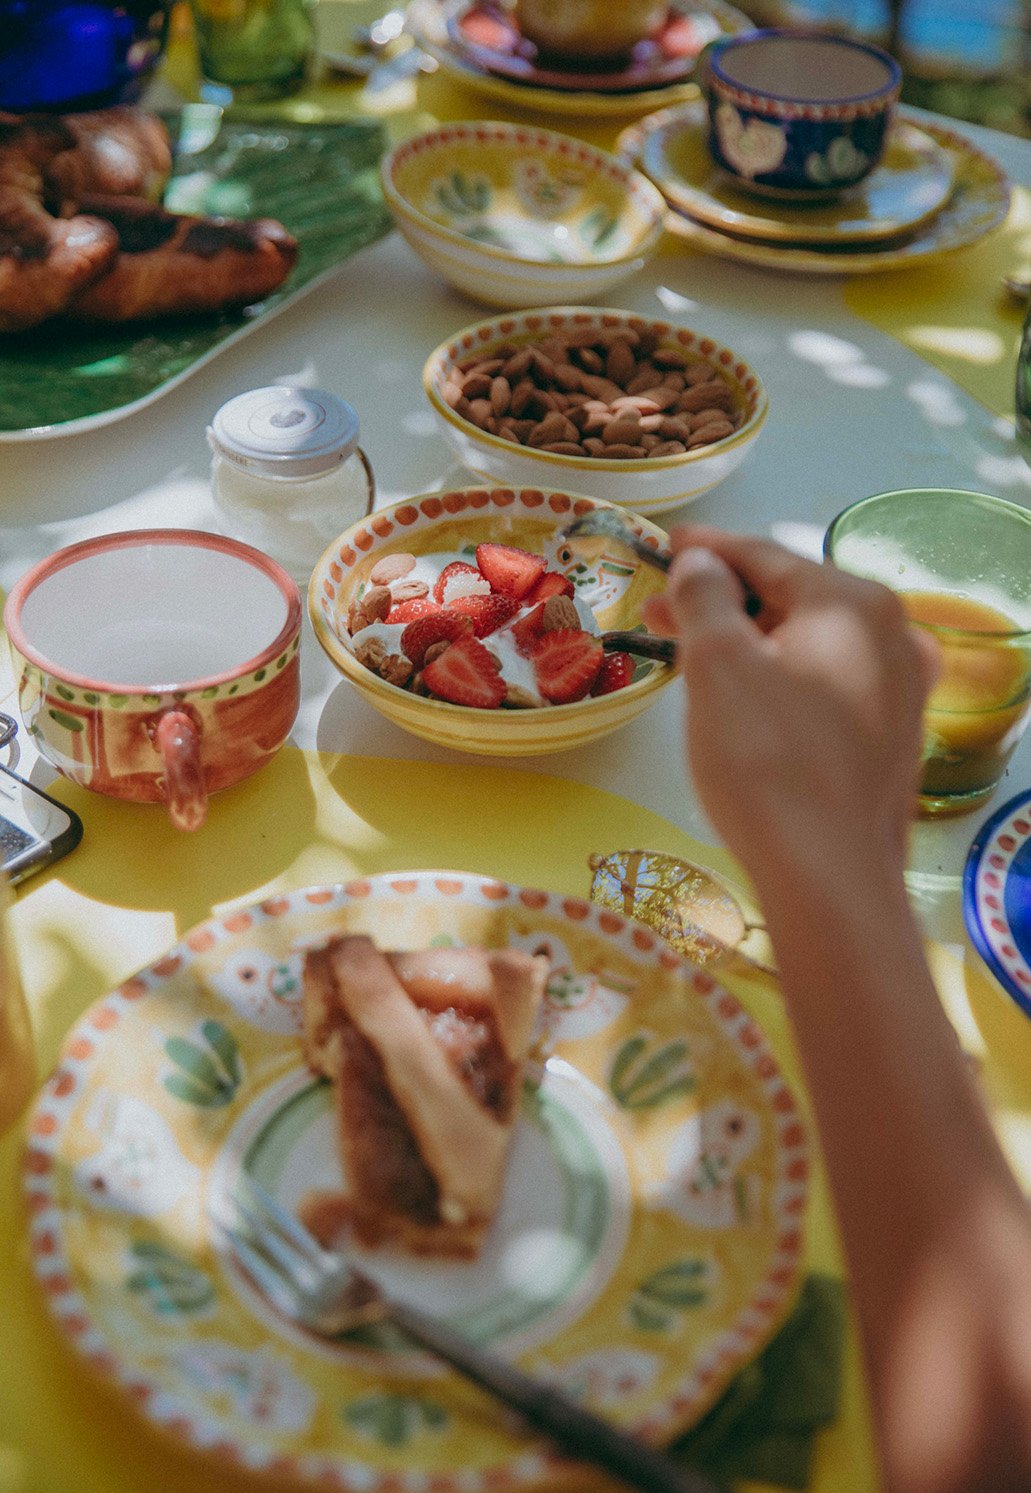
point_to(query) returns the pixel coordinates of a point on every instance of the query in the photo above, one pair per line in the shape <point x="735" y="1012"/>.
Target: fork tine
<point x="265" y="1276"/>
<point x="273" y="1215"/>
<point x="297" y="1267"/>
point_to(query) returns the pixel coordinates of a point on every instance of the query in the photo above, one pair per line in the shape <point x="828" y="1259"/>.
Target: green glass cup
<point x="1022" y="401"/>
<point x="961" y="565"/>
<point x="252" y="50"/>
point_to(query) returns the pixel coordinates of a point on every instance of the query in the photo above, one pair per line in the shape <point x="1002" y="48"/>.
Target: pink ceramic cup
<point x="157" y="666"/>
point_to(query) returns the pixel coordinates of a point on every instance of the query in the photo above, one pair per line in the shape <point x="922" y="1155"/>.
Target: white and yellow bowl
<point x="532" y="519"/>
<point x="515" y="215"/>
<point x="649" y="485"/>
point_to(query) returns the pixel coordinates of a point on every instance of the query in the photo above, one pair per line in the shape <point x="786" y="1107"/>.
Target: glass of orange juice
<point x="961" y="565"/>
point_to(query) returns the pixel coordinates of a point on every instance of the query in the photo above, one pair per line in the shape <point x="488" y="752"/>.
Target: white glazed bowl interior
<point x="153" y="613"/>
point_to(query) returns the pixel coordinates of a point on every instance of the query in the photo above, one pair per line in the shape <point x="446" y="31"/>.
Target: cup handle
<point x="178" y="741"/>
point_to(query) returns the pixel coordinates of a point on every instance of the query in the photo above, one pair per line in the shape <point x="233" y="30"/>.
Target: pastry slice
<point x="426" y="1051"/>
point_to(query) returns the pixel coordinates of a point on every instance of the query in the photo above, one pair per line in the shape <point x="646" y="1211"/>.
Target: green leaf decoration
<point x="598" y="227"/>
<point x="69" y="722"/>
<point x="171" y="1286"/>
<point x="321" y="181"/>
<point x="659" y="1300"/>
<point x="223" y="1044"/>
<point x="641" y="1081"/>
<point x="208" y="1075"/>
<point x="394" y="1419"/>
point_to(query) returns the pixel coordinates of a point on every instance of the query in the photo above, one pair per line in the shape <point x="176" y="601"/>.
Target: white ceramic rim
<point x="129" y="539"/>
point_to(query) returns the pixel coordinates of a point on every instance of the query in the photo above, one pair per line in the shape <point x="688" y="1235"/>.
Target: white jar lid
<point x="285" y="432"/>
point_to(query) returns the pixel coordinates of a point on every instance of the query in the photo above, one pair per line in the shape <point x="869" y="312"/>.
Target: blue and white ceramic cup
<point x="797" y="115"/>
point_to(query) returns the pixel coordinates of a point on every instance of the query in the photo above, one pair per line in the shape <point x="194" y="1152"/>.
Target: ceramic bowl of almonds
<point x="469" y="618"/>
<point x="641" y="413"/>
<point x="516" y="216"/>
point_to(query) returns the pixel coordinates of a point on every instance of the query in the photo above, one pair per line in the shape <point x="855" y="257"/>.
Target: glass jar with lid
<point x="287" y="473"/>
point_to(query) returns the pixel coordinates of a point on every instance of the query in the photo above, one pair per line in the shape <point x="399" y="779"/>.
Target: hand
<point x="804" y="725"/>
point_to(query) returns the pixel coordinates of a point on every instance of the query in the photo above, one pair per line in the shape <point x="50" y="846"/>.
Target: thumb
<point x="704" y="596"/>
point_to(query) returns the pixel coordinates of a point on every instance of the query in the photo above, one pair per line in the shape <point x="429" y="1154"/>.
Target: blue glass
<point x="78" y="54"/>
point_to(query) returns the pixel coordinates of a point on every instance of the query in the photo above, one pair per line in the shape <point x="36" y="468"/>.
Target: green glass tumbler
<point x="1022" y="401"/>
<point x="960" y="563"/>
<point x="252" y="50"/>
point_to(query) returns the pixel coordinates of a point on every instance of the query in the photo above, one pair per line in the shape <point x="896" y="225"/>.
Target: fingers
<point x="777" y="577"/>
<point x="705" y="603"/>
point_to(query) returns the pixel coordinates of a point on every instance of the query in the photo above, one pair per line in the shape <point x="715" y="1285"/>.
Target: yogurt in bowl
<point x="537" y="684"/>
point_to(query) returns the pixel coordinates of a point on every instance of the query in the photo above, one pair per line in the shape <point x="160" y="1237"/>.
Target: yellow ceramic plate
<point x="427" y="20"/>
<point x="979" y="203"/>
<point x="910" y="185"/>
<point x="648" y="1242"/>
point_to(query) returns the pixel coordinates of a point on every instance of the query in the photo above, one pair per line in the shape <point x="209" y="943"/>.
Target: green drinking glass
<point x="960" y="563"/>
<point x="252" y="50"/>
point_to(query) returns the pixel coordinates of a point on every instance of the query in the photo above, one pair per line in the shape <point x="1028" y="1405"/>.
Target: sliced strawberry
<point x="459" y="579"/>
<point x="441" y="627"/>
<point x="616" y="672"/>
<point x="512" y="572"/>
<point x="466" y="674"/>
<point x="487" y="612"/>
<point x="551" y="583"/>
<point x="407" y="611"/>
<point x="528" y="629"/>
<point x="566" y="663"/>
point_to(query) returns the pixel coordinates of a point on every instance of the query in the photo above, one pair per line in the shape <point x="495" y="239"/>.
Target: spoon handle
<point x="644" y="644"/>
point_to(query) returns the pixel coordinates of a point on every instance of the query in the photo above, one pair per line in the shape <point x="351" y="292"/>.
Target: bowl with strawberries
<point x="469" y="618"/>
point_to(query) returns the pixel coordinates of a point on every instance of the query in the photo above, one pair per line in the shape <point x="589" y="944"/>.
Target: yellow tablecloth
<point x="135" y="885"/>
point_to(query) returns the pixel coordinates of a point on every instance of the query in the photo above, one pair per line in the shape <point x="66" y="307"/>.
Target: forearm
<point x="934" y="1228"/>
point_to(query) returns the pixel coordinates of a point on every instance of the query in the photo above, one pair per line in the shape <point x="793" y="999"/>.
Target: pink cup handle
<point x="178" y="741"/>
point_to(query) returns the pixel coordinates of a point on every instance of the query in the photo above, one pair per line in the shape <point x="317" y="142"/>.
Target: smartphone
<point x="35" y="829"/>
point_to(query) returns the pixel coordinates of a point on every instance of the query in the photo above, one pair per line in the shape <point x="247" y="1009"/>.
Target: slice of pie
<point x="426" y="1052"/>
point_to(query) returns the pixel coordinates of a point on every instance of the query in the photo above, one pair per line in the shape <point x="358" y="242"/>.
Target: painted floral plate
<point x="997" y="897"/>
<point x="978" y="204"/>
<point x="647" y="1245"/>
<point x="321" y="181"/>
<point x="911" y="184"/>
<point x="429" y="20"/>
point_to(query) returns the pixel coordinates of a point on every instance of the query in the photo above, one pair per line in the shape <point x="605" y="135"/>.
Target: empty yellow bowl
<point x="529" y="518"/>
<point x="516" y="216"/>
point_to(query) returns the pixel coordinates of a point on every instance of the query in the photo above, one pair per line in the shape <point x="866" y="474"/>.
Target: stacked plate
<point x="932" y="192"/>
<point x="478" y="43"/>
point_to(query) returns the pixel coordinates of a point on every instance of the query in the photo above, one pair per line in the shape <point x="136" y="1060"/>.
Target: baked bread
<point x="119" y="152"/>
<point x="426" y="1052"/>
<point x="172" y="264"/>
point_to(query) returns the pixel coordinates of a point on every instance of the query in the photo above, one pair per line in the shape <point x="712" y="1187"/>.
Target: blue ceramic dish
<point x="78" y="54"/>
<point x="797" y="115"/>
<point x="997" y="897"/>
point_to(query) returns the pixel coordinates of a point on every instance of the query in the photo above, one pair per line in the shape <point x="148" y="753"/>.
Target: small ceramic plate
<point x="647" y="1245"/>
<point x="910" y="185"/>
<point x="429" y="21"/>
<point x="978" y="204"/>
<point x="490" y="37"/>
<point x="320" y="181"/>
<point x="997" y="897"/>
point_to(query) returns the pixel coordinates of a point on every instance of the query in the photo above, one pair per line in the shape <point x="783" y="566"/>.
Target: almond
<point x="518" y="364"/>
<point x="500" y="394"/>
<point x="476" y="386"/>
<point x="563" y="448"/>
<point x="409" y="590"/>
<point x="622" y="432"/>
<point x="701" y="396"/>
<point x="391" y="568"/>
<point x="668" y="448"/>
<point x="620" y="363"/>
<point x="559" y="612"/>
<point x="624" y="453"/>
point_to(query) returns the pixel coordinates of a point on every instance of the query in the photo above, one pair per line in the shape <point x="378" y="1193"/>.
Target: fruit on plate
<point x="466" y="673"/>
<point x="566" y="663"/>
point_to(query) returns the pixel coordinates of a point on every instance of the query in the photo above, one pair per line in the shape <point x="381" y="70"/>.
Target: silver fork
<point x="328" y="1295"/>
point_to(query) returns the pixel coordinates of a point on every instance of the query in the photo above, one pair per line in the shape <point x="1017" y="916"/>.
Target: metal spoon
<point x="695" y="910"/>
